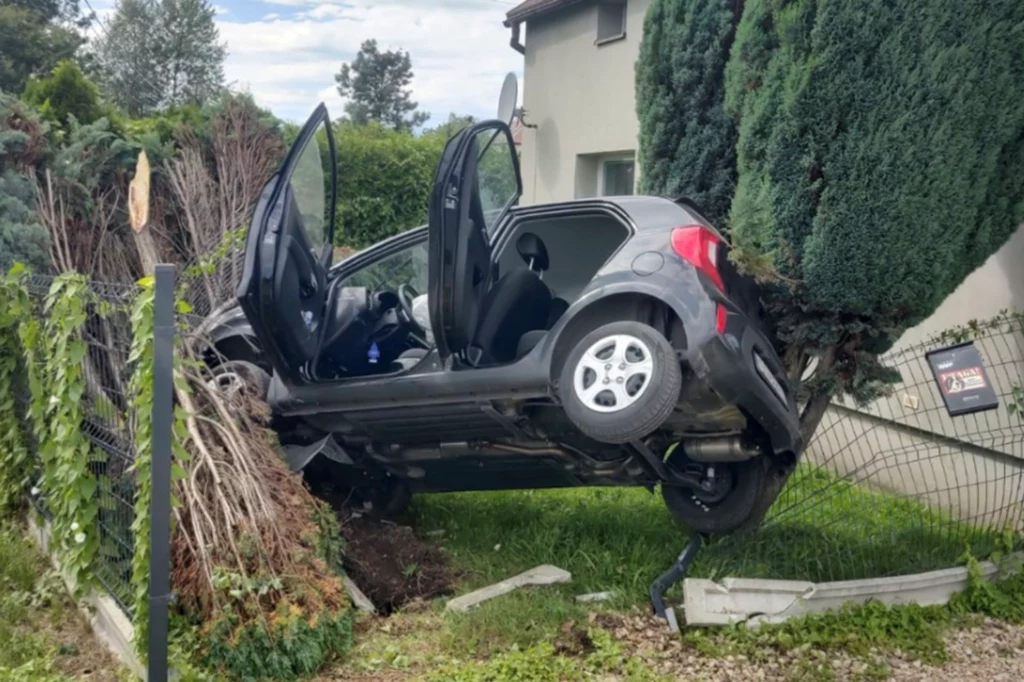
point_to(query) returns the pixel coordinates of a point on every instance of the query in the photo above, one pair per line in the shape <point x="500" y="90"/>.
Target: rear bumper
<point x="728" y="365"/>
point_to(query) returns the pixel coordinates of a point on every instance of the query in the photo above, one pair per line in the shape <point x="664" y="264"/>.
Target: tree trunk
<point x="812" y="415"/>
<point x="817" y="404"/>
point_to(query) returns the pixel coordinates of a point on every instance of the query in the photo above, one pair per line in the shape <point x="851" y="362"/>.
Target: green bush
<point x="880" y="152"/>
<point x="384" y="181"/>
<point x="687" y="142"/>
<point x="66" y="93"/>
<point x="22" y="145"/>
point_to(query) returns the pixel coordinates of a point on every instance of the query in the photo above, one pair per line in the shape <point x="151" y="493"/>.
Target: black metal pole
<point x="674" y="574"/>
<point x="160" y="502"/>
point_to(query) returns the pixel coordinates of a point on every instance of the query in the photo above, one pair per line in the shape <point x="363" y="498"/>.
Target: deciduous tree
<point x="34" y="36"/>
<point x="376" y="86"/>
<point x="155" y="54"/>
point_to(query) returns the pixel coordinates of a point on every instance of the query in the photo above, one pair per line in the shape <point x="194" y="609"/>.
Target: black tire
<point x="388" y="500"/>
<point x="255" y="378"/>
<point x="650" y="410"/>
<point x="755" y="483"/>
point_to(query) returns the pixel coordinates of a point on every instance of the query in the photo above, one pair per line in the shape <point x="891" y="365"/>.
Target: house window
<point x="616" y="177"/>
<point x="611" y="21"/>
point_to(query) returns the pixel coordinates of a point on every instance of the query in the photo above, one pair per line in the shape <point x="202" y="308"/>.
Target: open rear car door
<point x="477" y="182"/>
<point x="288" y="251"/>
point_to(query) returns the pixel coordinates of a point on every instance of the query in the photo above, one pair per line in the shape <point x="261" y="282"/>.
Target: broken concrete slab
<point x="735" y="600"/>
<point x="359" y="598"/>
<point x="542" y="575"/>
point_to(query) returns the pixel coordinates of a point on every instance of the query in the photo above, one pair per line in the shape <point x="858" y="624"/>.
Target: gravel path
<point x="993" y="652"/>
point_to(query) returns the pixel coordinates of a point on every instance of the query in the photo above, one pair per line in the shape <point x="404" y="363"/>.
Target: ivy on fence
<point x="280" y="615"/>
<point x="52" y="352"/>
<point x="14" y="453"/>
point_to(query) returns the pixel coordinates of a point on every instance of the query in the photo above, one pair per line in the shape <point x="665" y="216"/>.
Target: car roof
<point x="644" y="211"/>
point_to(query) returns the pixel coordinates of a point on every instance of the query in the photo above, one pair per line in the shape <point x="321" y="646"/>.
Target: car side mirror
<point x="533" y="251"/>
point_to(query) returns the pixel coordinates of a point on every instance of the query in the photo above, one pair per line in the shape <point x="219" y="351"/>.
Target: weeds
<point x="41" y="639"/>
<point x="542" y="663"/>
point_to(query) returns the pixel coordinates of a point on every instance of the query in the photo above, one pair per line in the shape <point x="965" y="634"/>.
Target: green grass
<point x="620" y="539"/>
<point x="40" y="631"/>
<point x="24" y="655"/>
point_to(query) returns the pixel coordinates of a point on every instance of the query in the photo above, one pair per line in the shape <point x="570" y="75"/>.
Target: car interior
<point x="501" y="305"/>
<point x="541" y="271"/>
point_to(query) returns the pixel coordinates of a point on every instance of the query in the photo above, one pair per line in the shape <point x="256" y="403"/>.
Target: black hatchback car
<point x="600" y="342"/>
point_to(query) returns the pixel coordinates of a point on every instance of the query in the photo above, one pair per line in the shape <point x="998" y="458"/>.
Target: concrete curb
<point x="736" y="600"/>
<point x="105" y="617"/>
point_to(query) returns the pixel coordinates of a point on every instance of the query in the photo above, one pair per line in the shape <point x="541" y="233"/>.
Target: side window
<point x="611" y="21"/>
<point x="408" y="266"/>
<point x="310" y="183"/>
<point x="497" y="174"/>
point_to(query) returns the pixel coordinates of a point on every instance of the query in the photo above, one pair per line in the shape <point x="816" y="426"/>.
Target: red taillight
<point x="722" y="319"/>
<point x="699" y="246"/>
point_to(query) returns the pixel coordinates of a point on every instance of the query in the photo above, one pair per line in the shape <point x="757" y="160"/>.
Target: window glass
<point x="408" y="266"/>
<point x="611" y="20"/>
<point x="618" y="177"/>
<point x="310" y="184"/>
<point x="497" y="173"/>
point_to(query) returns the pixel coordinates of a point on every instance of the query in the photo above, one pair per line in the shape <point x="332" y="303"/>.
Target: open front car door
<point x="477" y="182"/>
<point x="288" y="251"/>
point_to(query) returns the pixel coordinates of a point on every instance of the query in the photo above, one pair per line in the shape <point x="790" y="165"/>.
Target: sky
<point x="286" y="52"/>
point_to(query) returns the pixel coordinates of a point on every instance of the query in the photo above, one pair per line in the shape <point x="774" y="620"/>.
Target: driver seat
<point x="518" y="303"/>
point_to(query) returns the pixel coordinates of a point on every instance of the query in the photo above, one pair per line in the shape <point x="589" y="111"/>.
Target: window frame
<point x="604" y="7"/>
<point x="601" y="168"/>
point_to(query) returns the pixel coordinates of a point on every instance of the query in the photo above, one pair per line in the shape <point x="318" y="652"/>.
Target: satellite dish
<point x="509" y="98"/>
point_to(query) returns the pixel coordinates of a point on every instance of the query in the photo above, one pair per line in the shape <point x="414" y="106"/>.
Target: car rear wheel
<point x="739" y="499"/>
<point x="620" y="382"/>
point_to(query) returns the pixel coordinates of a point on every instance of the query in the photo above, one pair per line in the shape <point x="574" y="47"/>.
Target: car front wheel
<point x="620" y="382"/>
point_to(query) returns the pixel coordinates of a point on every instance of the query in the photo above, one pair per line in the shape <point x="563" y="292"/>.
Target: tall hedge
<point x="384" y="181"/>
<point x="687" y="141"/>
<point x="880" y="159"/>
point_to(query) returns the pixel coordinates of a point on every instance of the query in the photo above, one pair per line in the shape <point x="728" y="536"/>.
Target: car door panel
<point x="477" y="181"/>
<point x="283" y="289"/>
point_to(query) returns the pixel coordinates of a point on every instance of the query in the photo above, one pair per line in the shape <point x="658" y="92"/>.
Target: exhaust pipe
<point x="719" y="450"/>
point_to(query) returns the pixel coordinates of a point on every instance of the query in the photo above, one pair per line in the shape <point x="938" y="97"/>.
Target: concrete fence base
<point x="737" y="600"/>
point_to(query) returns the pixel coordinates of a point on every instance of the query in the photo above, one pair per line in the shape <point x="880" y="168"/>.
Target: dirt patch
<point x="574" y="640"/>
<point x="393" y="566"/>
<point x="79" y="655"/>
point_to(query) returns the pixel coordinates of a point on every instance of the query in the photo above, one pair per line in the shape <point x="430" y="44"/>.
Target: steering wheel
<point x="406" y="295"/>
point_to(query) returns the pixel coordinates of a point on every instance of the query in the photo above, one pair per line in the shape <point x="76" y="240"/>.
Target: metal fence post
<point x="160" y="502"/>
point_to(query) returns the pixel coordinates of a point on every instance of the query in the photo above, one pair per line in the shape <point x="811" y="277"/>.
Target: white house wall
<point x="578" y="94"/>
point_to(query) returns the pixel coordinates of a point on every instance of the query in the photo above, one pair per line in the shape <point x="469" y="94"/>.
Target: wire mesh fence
<point x="106" y="424"/>
<point x="899" y="486"/>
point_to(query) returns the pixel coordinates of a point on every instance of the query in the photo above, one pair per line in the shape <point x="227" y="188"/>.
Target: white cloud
<point x="459" y="48"/>
<point x="220" y="10"/>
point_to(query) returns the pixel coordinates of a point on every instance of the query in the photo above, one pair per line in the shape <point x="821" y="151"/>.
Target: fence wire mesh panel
<point x="106" y="424"/>
<point x="898" y="486"/>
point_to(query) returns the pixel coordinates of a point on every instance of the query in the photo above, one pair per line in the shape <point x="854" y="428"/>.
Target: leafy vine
<point x="15" y="463"/>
